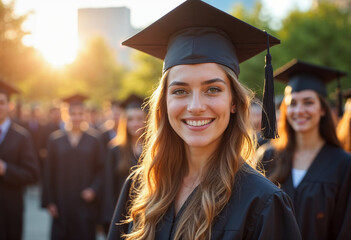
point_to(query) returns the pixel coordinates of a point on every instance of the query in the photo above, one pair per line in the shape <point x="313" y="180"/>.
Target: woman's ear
<point x="233" y="108"/>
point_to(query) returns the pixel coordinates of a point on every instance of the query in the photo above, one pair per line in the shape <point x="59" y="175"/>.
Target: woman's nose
<point x="196" y="104"/>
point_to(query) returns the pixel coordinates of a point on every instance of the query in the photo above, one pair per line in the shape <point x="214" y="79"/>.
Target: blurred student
<point x="72" y="176"/>
<point x="18" y="168"/>
<point x="124" y="153"/>
<point x="307" y="160"/>
<point x="110" y="127"/>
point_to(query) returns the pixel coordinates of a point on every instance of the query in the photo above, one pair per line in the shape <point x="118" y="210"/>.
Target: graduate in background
<point x="123" y="153"/>
<point x="196" y="179"/>
<point x="73" y="176"/>
<point x="18" y="168"/>
<point x="110" y="127"/>
<point x="344" y="126"/>
<point x="307" y="160"/>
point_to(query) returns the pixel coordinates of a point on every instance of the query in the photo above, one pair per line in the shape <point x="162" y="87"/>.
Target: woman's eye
<point x="213" y="90"/>
<point x="179" y="92"/>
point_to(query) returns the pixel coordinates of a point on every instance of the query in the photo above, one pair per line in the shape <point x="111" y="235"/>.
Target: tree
<point x="16" y="60"/>
<point x="144" y="77"/>
<point x="95" y="72"/>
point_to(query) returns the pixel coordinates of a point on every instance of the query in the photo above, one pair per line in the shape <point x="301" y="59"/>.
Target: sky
<point x="53" y="23"/>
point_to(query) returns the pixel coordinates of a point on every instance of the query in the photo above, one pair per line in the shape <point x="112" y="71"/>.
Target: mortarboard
<point x="76" y="99"/>
<point x="7" y="89"/>
<point x="133" y="101"/>
<point x="301" y="75"/>
<point x="195" y="32"/>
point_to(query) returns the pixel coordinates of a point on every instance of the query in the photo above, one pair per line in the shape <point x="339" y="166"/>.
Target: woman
<point x="195" y="180"/>
<point x="124" y="152"/>
<point x="307" y="159"/>
<point x="344" y="129"/>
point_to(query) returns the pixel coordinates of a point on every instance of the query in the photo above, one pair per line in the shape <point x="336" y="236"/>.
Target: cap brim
<point x="248" y="40"/>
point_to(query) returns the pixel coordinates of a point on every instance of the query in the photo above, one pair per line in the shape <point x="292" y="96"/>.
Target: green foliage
<point x="95" y="72"/>
<point x="320" y="36"/>
<point x="143" y="79"/>
<point x="17" y="61"/>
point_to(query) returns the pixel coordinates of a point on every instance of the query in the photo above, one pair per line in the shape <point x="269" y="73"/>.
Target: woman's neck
<point x="308" y="140"/>
<point x="197" y="160"/>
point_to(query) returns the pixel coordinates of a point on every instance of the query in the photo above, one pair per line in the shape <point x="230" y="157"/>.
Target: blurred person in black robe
<point x="307" y="160"/>
<point x="72" y="176"/>
<point x="123" y="153"/>
<point x="36" y="128"/>
<point x="18" y="168"/>
<point x="110" y="127"/>
<point x="196" y="179"/>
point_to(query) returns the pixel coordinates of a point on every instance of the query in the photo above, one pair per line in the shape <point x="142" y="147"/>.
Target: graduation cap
<point x="133" y="101"/>
<point x="76" y="99"/>
<point x="196" y="32"/>
<point x="301" y="75"/>
<point x="7" y="89"/>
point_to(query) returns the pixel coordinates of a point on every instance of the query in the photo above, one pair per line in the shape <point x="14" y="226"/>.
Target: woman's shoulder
<point x="251" y="182"/>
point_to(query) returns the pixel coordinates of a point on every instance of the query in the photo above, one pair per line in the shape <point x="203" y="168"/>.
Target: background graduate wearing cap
<point x="343" y="130"/>
<point x="18" y="168"/>
<point x="123" y="153"/>
<point x="195" y="180"/>
<point x="72" y="176"/>
<point x="109" y="127"/>
<point x="307" y="159"/>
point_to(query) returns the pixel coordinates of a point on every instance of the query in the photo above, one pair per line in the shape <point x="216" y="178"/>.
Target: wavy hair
<point x="286" y="144"/>
<point x="159" y="176"/>
<point x="344" y="127"/>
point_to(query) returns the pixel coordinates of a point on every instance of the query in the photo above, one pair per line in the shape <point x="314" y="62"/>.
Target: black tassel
<point x="268" y="122"/>
<point x="339" y="97"/>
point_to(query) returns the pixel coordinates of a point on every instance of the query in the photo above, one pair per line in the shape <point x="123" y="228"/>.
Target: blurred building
<point x="113" y="24"/>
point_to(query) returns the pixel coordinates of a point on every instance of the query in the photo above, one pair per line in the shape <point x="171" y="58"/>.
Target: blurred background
<point x="50" y="49"/>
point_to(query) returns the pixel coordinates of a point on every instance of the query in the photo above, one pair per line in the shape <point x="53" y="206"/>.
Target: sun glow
<point x="53" y="28"/>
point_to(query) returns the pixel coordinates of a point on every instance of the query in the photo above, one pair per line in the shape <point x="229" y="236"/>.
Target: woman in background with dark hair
<point x="307" y="160"/>
<point x="124" y="152"/>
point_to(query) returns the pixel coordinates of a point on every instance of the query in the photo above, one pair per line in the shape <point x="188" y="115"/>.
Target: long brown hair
<point x="344" y="128"/>
<point x="123" y="140"/>
<point x="161" y="172"/>
<point x="286" y="144"/>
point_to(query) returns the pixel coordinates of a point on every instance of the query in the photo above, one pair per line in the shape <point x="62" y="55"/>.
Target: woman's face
<point x="304" y="111"/>
<point x="199" y="103"/>
<point x="135" y="121"/>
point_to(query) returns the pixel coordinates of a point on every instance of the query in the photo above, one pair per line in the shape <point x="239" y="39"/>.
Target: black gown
<point x="256" y="210"/>
<point x="113" y="183"/>
<point x="68" y="171"/>
<point x="322" y="200"/>
<point x="18" y="152"/>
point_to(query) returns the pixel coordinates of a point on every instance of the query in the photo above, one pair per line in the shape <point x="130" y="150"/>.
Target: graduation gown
<point x="68" y="171"/>
<point x="256" y="210"/>
<point x="113" y="182"/>
<point x="322" y="200"/>
<point x="22" y="168"/>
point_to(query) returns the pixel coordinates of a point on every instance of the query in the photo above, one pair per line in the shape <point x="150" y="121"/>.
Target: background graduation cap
<point x="196" y="32"/>
<point x="301" y="75"/>
<point x="132" y="101"/>
<point x="76" y="99"/>
<point x="7" y="89"/>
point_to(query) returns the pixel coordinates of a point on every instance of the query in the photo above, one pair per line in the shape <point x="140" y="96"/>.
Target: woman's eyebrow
<point x="213" y="81"/>
<point x="179" y="83"/>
